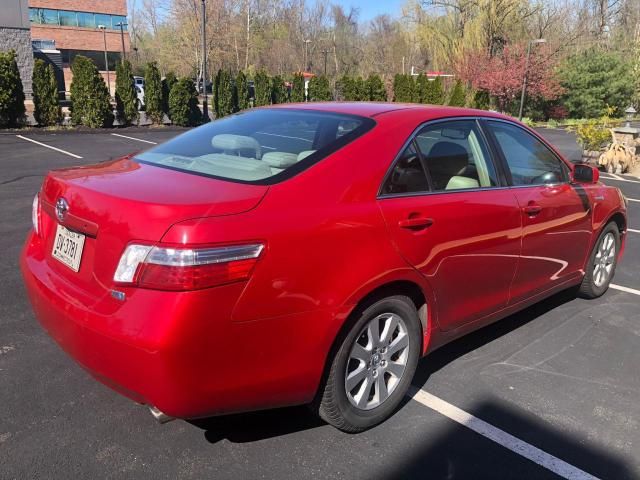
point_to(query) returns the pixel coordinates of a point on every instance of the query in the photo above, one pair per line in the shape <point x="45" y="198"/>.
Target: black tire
<point x="590" y="288"/>
<point x="333" y="405"/>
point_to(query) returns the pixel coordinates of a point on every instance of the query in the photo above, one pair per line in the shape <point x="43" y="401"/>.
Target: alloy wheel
<point x="377" y="361"/>
<point x="604" y="260"/>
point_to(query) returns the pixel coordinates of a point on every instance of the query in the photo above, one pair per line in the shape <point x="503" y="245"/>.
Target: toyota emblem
<point x="62" y="207"/>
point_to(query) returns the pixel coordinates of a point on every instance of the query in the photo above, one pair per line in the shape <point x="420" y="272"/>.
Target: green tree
<point x="45" y="94"/>
<point x="90" y="99"/>
<point x="12" y="110"/>
<point x="224" y="101"/>
<point x="319" y="89"/>
<point x="242" y="88"/>
<point x="167" y="84"/>
<point x="403" y="88"/>
<point x="126" y="98"/>
<point x="375" y="89"/>
<point x="594" y="81"/>
<point x="481" y="100"/>
<point x="422" y="89"/>
<point x="297" y="89"/>
<point x="183" y="103"/>
<point x="458" y="95"/>
<point x="153" y="93"/>
<point x="262" y="88"/>
<point x="278" y="90"/>
<point x="434" y="92"/>
<point x="360" y="89"/>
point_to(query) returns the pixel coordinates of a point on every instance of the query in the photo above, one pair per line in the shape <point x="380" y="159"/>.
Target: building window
<point x="68" y="18"/>
<point x="50" y="17"/>
<point x="87" y="20"/>
<point x="96" y="56"/>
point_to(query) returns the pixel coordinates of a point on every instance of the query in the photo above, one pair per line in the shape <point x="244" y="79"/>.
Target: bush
<point x="481" y="100"/>
<point x="45" y="94"/>
<point x="458" y="95"/>
<point x="12" y="110"/>
<point x="593" y="134"/>
<point x="225" y="96"/>
<point x="404" y="88"/>
<point x="279" y="92"/>
<point x="90" y="99"/>
<point x="262" y="88"/>
<point x="297" y="89"/>
<point x="153" y="93"/>
<point x="319" y="89"/>
<point x="126" y="98"/>
<point x="167" y="84"/>
<point x="183" y="103"/>
<point x="434" y="92"/>
<point x="594" y="80"/>
<point x="242" y="89"/>
<point x="375" y="89"/>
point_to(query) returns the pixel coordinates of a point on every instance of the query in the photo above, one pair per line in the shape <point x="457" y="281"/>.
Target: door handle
<point x="416" y="223"/>
<point x="532" y="209"/>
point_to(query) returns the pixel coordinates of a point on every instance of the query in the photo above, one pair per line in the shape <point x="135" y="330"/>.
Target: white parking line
<point x="133" y="138"/>
<point x="49" y="146"/>
<point x="625" y="289"/>
<point x="508" y="441"/>
<point x="633" y="230"/>
<point x="633" y="199"/>
<point x="619" y="179"/>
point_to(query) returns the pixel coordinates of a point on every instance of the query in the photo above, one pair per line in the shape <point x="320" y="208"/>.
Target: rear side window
<point x="258" y="146"/>
<point x="456" y="156"/>
<point x="530" y="161"/>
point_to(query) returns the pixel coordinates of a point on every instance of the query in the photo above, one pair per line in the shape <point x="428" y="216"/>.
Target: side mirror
<point x="586" y="174"/>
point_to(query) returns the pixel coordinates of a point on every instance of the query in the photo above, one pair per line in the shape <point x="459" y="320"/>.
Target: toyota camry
<point x="309" y="254"/>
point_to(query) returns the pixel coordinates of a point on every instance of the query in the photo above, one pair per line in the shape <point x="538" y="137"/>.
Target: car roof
<point x="373" y="109"/>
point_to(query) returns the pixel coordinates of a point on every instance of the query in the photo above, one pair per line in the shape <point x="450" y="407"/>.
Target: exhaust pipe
<point x="160" y="417"/>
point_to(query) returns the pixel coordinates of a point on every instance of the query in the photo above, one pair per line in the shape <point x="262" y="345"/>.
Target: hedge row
<point x="178" y="99"/>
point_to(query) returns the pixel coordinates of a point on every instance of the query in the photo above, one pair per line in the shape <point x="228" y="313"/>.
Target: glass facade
<point x="68" y="18"/>
<point x="95" y="56"/>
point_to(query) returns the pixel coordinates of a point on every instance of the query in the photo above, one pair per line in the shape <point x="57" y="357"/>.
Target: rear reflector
<point x="165" y="268"/>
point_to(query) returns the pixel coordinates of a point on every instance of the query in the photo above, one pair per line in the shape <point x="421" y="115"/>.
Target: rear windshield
<point x="258" y="146"/>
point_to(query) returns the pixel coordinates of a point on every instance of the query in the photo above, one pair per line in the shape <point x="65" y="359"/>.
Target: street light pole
<point x="205" y="106"/>
<point x="122" y="25"/>
<point x="526" y="72"/>
<point x="106" y="61"/>
<point x="306" y="55"/>
<point x="325" y="52"/>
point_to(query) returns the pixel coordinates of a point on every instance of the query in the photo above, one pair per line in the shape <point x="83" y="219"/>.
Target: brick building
<point x="62" y="29"/>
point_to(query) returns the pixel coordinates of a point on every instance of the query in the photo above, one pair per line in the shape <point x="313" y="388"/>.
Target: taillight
<point x="176" y="268"/>
<point x="35" y="214"/>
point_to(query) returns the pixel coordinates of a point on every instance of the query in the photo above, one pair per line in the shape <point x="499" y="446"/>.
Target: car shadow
<point x="454" y="452"/>
<point x="261" y="425"/>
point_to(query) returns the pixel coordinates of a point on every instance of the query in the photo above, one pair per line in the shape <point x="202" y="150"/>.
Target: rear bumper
<point x="181" y="352"/>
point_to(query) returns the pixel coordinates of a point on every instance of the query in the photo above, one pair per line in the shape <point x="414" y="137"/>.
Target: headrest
<point x="280" y="159"/>
<point x="447" y="157"/>
<point x="229" y="142"/>
<point x="458" y="182"/>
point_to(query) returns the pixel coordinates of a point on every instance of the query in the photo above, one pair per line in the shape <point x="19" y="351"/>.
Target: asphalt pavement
<point x="554" y="388"/>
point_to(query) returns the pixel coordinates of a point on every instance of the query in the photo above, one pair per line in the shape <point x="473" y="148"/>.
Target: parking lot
<point x="550" y="392"/>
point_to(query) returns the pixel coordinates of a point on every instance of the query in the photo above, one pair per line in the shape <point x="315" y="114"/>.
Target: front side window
<point x="456" y="156"/>
<point x="257" y="146"/>
<point x="407" y="175"/>
<point x="530" y="161"/>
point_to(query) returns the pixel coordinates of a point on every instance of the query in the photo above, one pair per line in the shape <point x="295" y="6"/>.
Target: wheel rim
<point x="377" y="361"/>
<point x="605" y="258"/>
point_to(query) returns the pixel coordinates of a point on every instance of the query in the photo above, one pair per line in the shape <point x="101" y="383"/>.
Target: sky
<point x="370" y="8"/>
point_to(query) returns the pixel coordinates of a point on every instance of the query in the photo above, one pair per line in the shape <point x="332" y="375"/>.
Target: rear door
<point x="556" y="215"/>
<point x="450" y="216"/>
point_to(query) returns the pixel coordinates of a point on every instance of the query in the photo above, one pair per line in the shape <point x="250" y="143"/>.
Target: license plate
<point x="67" y="247"/>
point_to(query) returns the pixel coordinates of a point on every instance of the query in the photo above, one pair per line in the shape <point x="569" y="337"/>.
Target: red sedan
<point x="309" y="254"/>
